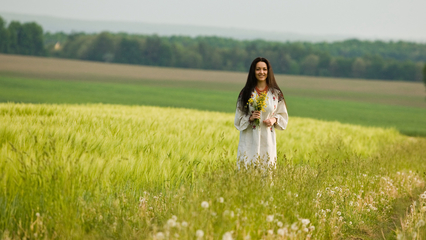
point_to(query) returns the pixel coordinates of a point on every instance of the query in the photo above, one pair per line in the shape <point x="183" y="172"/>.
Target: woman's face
<point x="261" y="71"/>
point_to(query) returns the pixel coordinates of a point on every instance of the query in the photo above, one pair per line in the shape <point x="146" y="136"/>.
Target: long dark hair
<point x="251" y="83"/>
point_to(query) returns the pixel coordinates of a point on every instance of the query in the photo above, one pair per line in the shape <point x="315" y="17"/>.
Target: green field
<point x="131" y="172"/>
<point x="211" y="96"/>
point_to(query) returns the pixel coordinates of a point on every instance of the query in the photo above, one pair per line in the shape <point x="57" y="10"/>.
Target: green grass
<point x="209" y="96"/>
<point x="131" y="172"/>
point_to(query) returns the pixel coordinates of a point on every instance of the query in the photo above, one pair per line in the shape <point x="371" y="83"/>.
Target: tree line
<point x="217" y="53"/>
<point x="25" y="39"/>
<point x="350" y="59"/>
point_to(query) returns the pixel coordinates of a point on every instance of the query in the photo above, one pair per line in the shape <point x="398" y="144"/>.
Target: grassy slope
<point x="208" y="96"/>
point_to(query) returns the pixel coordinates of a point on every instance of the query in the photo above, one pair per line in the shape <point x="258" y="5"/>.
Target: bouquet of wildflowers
<point x="259" y="103"/>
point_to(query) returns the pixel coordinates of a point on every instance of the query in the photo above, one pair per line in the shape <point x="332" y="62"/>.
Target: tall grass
<point x="109" y="171"/>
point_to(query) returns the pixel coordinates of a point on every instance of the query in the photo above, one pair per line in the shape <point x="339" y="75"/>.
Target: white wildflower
<point x="282" y="231"/>
<point x="294" y="227"/>
<point x="227" y="236"/>
<point x="306" y="230"/>
<point x="184" y="224"/>
<point x="199" y="233"/>
<point x="37" y="214"/>
<point x="339" y="213"/>
<point x="159" y="236"/>
<point x="205" y="204"/>
<point x="270" y="218"/>
<point x="423" y="209"/>
<point x="279" y="224"/>
<point x="312" y="228"/>
<point x="221" y="200"/>
<point x="247" y="237"/>
<point x="171" y="223"/>
<point x="420" y="223"/>
<point x="305" y="221"/>
<point x="270" y="232"/>
<point x="174" y="217"/>
<point x="423" y="196"/>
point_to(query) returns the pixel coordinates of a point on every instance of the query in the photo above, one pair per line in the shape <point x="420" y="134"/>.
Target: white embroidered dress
<point x="260" y="142"/>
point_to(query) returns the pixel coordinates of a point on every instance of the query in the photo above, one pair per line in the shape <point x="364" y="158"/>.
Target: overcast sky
<point x="376" y="19"/>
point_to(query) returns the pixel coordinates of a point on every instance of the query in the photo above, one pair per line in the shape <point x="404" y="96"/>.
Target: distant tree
<point x="4" y="37"/>
<point x="158" y="52"/>
<point x="283" y="63"/>
<point x="424" y="74"/>
<point x="358" y="68"/>
<point x="77" y="46"/>
<point x="129" y="51"/>
<point x="392" y="71"/>
<point x="166" y="54"/>
<point x="102" y="48"/>
<point x="341" y="67"/>
<point x="15" y="33"/>
<point x="324" y="63"/>
<point x="310" y="64"/>
<point x="152" y="50"/>
<point x="294" y="68"/>
<point x="31" y="40"/>
<point x="187" y="58"/>
<point x="375" y="67"/>
<point x="298" y="51"/>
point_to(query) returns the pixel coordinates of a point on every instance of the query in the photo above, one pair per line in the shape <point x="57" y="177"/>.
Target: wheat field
<point x="136" y="172"/>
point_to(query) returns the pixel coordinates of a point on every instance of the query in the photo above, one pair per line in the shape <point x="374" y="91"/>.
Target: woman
<point x="257" y="137"/>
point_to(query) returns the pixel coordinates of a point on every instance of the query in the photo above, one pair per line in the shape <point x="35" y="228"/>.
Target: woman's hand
<point x="269" y="122"/>
<point x="255" y="115"/>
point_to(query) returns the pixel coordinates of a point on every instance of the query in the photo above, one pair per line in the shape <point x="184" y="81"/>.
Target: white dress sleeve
<point x="242" y="120"/>
<point x="281" y="115"/>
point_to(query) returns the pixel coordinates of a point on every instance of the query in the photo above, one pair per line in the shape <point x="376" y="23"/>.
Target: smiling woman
<point x="261" y="109"/>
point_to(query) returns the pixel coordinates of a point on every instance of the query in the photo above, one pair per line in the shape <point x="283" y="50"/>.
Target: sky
<point x="371" y="19"/>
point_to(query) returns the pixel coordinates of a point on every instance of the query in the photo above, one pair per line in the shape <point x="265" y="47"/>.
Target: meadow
<point x="95" y="151"/>
<point x="137" y="172"/>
